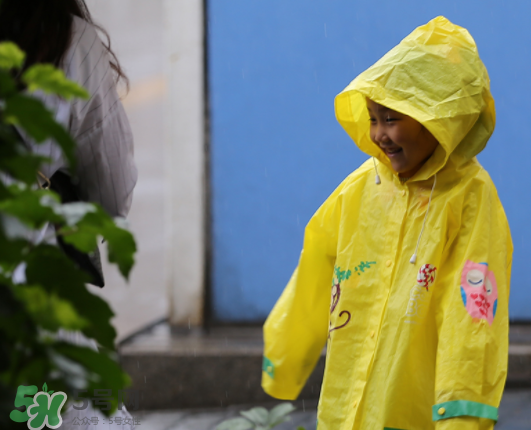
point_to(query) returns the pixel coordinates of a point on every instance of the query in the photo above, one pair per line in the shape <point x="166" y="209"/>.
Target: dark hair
<point x="43" y="29"/>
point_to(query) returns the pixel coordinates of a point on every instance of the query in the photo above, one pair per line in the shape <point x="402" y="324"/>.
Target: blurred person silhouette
<point x="62" y="33"/>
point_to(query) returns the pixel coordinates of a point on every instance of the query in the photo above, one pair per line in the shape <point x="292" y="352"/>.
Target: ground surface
<point x="515" y="414"/>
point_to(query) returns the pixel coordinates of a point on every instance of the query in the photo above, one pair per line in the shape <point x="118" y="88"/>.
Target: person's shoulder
<point x="474" y="188"/>
<point x="358" y="176"/>
<point x="351" y="184"/>
<point x="84" y="34"/>
<point x="476" y="178"/>
<point x="86" y="51"/>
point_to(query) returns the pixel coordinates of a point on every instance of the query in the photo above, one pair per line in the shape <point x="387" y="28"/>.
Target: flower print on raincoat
<point x="439" y="367"/>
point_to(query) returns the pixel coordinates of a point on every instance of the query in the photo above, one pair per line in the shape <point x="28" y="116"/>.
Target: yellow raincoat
<point x="411" y="346"/>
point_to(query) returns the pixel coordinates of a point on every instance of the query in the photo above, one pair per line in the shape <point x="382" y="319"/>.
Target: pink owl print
<point x="479" y="290"/>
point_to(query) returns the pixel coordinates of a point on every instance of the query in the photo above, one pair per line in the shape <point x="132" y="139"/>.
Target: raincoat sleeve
<point x="471" y="308"/>
<point x="297" y="328"/>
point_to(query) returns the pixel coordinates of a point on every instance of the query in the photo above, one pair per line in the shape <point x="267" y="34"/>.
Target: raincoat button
<point x="355" y="403"/>
<point x="403" y="192"/>
<point x="372" y="333"/>
<point x="388" y="263"/>
<point x="441" y="411"/>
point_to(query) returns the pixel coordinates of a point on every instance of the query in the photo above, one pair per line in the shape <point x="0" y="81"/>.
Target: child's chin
<point x="399" y="168"/>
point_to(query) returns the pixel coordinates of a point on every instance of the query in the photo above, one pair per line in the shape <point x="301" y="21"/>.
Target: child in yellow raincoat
<point x="405" y="268"/>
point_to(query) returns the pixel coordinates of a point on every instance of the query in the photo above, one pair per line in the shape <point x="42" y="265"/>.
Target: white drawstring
<point x="413" y="259"/>
<point x="378" y="181"/>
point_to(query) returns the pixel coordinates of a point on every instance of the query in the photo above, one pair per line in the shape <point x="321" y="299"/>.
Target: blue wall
<point x="275" y="67"/>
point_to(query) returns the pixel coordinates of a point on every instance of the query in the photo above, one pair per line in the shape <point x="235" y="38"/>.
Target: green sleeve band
<point x="268" y="367"/>
<point x="459" y="408"/>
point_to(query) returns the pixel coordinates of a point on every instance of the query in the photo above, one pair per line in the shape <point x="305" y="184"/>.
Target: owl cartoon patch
<point x="479" y="291"/>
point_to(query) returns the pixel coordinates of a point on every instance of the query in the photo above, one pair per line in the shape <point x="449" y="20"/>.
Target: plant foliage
<point x="53" y="296"/>
<point x="259" y="418"/>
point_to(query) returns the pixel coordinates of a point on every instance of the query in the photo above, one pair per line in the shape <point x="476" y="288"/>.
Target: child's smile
<point x="405" y="141"/>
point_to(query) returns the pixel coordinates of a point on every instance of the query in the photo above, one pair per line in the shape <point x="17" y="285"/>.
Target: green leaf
<point x="71" y="213"/>
<point x="279" y="413"/>
<point x="257" y="415"/>
<point x="45" y="388"/>
<point x="39" y="123"/>
<point x="85" y="223"/>
<point x="48" y="266"/>
<point x="34" y="365"/>
<point x="120" y="243"/>
<point x="104" y="372"/>
<point x="51" y="80"/>
<point x="122" y="247"/>
<point x="12" y="249"/>
<point x="48" y="310"/>
<point x="235" y="424"/>
<point x="15" y="159"/>
<point x="88" y="222"/>
<point x="77" y="376"/>
<point x="7" y="84"/>
<point x="25" y="205"/>
<point x="11" y="56"/>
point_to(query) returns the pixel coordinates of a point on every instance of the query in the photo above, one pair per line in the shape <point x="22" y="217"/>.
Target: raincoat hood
<point x="435" y="76"/>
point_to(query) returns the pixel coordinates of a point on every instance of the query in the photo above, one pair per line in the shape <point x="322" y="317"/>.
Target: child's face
<point x="406" y="142"/>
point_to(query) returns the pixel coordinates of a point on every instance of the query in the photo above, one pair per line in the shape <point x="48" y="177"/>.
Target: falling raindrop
<point x="303" y="407"/>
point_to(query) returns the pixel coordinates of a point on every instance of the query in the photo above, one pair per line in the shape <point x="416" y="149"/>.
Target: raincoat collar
<point x="435" y="76"/>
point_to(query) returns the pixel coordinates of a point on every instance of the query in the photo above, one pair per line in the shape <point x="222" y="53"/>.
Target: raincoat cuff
<point x="268" y="367"/>
<point x="458" y="408"/>
<point x="274" y="388"/>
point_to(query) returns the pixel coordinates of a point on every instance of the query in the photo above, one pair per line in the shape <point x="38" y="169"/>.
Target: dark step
<point x="192" y="369"/>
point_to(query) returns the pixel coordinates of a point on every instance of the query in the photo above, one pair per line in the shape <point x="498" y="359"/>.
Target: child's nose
<point x="380" y="136"/>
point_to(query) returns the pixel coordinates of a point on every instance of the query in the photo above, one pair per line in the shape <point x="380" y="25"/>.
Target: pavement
<point x="514" y="414"/>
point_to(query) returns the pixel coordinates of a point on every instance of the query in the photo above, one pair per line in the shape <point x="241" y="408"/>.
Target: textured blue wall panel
<point x="277" y="151"/>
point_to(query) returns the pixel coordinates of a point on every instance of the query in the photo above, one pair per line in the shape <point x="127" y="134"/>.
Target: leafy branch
<point x="53" y="297"/>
